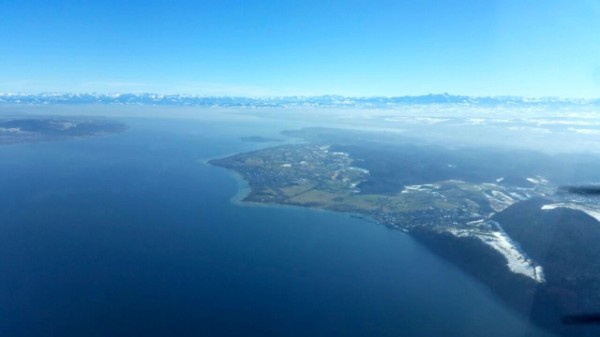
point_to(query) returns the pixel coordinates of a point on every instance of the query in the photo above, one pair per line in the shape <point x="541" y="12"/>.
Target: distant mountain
<point x="325" y="101"/>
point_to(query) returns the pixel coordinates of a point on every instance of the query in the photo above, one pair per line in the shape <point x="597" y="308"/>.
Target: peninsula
<point x="43" y="129"/>
<point x="453" y="204"/>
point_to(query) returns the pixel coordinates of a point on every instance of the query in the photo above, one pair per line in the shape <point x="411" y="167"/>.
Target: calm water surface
<point x="133" y="235"/>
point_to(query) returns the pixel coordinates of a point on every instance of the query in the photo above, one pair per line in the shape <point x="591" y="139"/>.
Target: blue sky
<point x="265" y="48"/>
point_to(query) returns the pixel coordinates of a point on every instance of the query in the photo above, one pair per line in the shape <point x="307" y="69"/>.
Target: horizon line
<point x="268" y="97"/>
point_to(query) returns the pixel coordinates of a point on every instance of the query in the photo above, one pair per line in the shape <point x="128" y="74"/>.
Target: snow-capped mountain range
<point x="324" y="101"/>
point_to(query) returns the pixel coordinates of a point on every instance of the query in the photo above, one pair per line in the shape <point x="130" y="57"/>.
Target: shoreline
<point x="244" y="189"/>
<point x="440" y="245"/>
<point x="471" y="256"/>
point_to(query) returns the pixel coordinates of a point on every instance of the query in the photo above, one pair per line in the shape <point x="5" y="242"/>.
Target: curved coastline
<point x="473" y="257"/>
<point x="490" y="272"/>
<point x="244" y="189"/>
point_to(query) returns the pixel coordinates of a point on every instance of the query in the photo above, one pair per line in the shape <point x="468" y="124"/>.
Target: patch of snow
<point x="593" y="212"/>
<point x="517" y="196"/>
<point x="498" y="201"/>
<point x="537" y="180"/>
<point x="517" y="261"/>
<point x="502" y="196"/>
<point x="360" y="169"/>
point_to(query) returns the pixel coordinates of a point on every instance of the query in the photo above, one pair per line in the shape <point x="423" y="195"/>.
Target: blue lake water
<point x="133" y="235"/>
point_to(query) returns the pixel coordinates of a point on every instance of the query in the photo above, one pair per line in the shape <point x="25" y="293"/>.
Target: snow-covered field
<point x="517" y="260"/>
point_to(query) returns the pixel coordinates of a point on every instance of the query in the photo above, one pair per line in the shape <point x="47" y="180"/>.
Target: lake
<point x="133" y="234"/>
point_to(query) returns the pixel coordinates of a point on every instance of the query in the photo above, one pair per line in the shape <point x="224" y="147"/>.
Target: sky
<point x="533" y="48"/>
